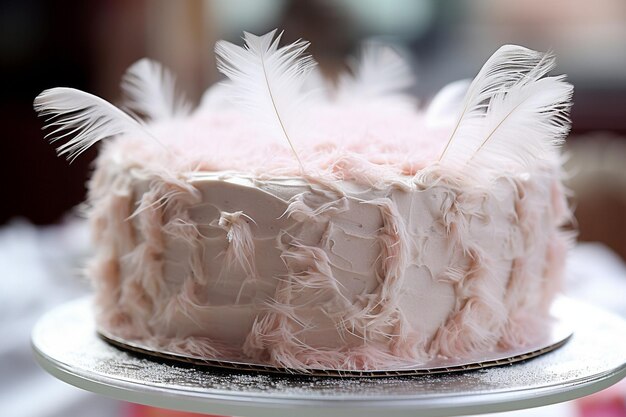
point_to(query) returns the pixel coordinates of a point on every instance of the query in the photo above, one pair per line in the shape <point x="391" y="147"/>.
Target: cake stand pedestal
<point x="67" y="346"/>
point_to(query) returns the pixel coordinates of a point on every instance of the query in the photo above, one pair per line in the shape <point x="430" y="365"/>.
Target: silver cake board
<point x="66" y="344"/>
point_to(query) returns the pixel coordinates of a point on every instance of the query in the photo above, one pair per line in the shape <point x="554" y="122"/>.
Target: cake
<point x="294" y="223"/>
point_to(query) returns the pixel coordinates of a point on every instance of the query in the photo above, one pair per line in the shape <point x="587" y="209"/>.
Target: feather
<point x="445" y="107"/>
<point x="504" y="98"/>
<point x="150" y="90"/>
<point x="380" y="71"/>
<point x="318" y="87"/>
<point x="216" y="97"/>
<point x="84" y="117"/>
<point x="524" y="124"/>
<point x="268" y="80"/>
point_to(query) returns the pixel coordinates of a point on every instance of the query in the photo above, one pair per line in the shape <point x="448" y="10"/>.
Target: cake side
<point x="301" y="273"/>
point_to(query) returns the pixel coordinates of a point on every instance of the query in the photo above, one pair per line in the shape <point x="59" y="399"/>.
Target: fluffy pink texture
<point x="240" y="251"/>
<point x="111" y="205"/>
<point x="385" y="318"/>
<point x="137" y="248"/>
<point x="543" y="281"/>
<point x="373" y="334"/>
<point x="274" y="338"/>
<point x="183" y="229"/>
<point x="475" y="325"/>
<point x="136" y="204"/>
<point x="226" y="140"/>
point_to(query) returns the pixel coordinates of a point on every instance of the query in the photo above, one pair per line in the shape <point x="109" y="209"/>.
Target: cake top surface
<point x="395" y="141"/>
<point x="275" y="115"/>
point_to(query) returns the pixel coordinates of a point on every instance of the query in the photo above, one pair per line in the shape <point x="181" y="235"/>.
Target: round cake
<point x="294" y="223"/>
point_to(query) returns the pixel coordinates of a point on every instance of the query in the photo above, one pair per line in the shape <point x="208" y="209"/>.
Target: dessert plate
<point x="66" y="345"/>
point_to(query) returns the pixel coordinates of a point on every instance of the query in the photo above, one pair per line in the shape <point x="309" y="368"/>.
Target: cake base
<point x="559" y="333"/>
<point x="66" y="345"/>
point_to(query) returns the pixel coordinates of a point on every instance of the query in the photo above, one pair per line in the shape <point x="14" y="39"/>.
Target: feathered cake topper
<point x="509" y="117"/>
<point x="150" y="90"/>
<point x="510" y="114"/>
<point x="379" y="72"/>
<point x="267" y="80"/>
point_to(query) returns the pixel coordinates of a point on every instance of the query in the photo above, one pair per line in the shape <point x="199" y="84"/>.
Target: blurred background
<point x="89" y="45"/>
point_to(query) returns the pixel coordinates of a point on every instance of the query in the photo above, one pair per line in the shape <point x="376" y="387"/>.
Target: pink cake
<point x="294" y="223"/>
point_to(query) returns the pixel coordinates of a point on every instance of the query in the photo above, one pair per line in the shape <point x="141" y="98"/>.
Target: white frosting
<point x="300" y="272"/>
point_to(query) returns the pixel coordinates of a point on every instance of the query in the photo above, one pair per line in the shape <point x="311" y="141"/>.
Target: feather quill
<point x="380" y="71"/>
<point x="150" y="90"/>
<point x="510" y="114"/>
<point x="268" y="80"/>
<point x="84" y="118"/>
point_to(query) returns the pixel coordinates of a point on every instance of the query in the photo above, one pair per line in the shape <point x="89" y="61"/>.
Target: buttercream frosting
<point x="311" y="272"/>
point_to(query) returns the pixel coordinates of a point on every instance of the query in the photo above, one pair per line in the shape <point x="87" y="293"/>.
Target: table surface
<point x="66" y="345"/>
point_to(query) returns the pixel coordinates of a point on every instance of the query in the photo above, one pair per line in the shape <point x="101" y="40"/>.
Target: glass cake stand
<point x="67" y="346"/>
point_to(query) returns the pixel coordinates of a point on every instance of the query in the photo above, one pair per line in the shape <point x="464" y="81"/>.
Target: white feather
<point x="445" y="107"/>
<point x="524" y="124"/>
<point x="380" y="71"/>
<point x="84" y="118"/>
<point x="508" y="96"/>
<point x="215" y="98"/>
<point x="318" y="87"/>
<point x="268" y="80"/>
<point x="150" y="90"/>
